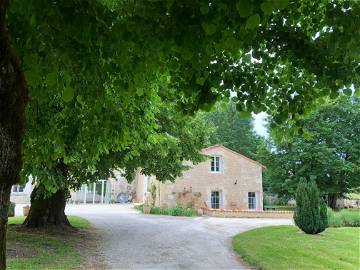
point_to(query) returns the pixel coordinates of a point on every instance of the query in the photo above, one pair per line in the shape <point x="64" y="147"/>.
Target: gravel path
<point x="135" y="241"/>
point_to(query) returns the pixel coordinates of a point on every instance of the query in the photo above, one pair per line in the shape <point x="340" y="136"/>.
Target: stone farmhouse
<point x="227" y="180"/>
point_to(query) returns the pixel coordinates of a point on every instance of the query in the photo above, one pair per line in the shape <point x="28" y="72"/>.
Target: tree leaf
<point x="253" y="21"/>
<point x="267" y="8"/>
<point x="209" y="28"/>
<point x="68" y="94"/>
<point x="139" y="91"/>
<point x="51" y="79"/>
<point x="204" y="8"/>
<point x="281" y="4"/>
<point x="245" y="8"/>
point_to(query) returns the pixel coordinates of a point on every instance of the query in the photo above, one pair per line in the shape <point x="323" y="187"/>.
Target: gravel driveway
<point x="135" y="241"/>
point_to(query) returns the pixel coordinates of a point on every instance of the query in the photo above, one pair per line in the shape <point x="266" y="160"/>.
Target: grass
<point x="176" y="210"/>
<point x="344" y="218"/>
<point x="284" y="247"/>
<point x="42" y="249"/>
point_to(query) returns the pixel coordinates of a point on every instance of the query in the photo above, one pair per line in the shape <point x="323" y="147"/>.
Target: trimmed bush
<point x="343" y="218"/>
<point x="310" y="212"/>
<point x="11" y="211"/>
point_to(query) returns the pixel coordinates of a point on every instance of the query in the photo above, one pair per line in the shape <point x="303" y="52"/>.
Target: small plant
<point x="310" y="214"/>
<point x="177" y="210"/>
<point x="139" y="207"/>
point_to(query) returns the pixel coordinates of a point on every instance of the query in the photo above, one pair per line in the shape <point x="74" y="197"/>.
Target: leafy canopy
<point x="329" y="153"/>
<point x="99" y="66"/>
<point x="232" y="130"/>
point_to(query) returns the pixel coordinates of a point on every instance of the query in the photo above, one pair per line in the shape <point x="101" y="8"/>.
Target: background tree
<point x="329" y="152"/>
<point x="232" y="130"/>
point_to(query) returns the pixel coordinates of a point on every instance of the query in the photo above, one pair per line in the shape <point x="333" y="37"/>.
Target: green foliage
<point x="310" y="213"/>
<point x="231" y="130"/>
<point x="302" y="46"/>
<point x="139" y="207"/>
<point x="98" y="67"/>
<point x="329" y="153"/>
<point x="343" y="218"/>
<point x="11" y="211"/>
<point x="177" y="210"/>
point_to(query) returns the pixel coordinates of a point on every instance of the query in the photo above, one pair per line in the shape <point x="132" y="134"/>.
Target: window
<point x="215" y="199"/>
<point x="251" y="200"/>
<point x="215" y="164"/>
<point x="18" y="188"/>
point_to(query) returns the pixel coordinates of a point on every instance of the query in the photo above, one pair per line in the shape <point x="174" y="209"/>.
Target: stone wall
<point x="247" y="213"/>
<point x="239" y="175"/>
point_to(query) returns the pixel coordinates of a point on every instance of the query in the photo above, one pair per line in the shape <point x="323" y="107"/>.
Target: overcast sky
<point x="259" y="124"/>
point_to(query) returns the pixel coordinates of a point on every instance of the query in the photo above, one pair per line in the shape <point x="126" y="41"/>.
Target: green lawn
<point x="41" y="249"/>
<point x="284" y="247"/>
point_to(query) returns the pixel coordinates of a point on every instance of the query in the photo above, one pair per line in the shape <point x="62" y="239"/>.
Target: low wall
<point x="247" y="213"/>
<point x="20" y="198"/>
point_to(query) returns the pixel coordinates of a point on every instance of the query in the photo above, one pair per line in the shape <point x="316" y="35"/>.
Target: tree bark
<point x="4" y="208"/>
<point x="331" y="200"/>
<point x="13" y="97"/>
<point x="47" y="210"/>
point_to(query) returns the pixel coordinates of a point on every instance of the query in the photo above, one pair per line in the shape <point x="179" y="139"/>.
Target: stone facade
<point x="237" y="177"/>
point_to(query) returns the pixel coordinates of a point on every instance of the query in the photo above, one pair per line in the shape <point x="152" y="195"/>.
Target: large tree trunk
<point x="4" y="207"/>
<point x="13" y="96"/>
<point x="331" y="200"/>
<point x="47" y="210"/>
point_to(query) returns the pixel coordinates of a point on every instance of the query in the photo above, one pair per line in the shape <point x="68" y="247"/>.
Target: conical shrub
<point x="310" y="214"/>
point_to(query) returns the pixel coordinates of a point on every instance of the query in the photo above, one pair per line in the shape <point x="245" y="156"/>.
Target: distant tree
<point x="328" y="152"/>
<point x="310" y="214"/>
<point x="232" y="130"/>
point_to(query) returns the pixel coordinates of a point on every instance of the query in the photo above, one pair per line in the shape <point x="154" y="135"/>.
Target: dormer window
<point x="215" y="164"/>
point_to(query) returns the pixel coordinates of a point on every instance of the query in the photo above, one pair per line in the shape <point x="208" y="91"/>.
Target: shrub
<point x="11" y="211"/>
<point x="140" y="207"/>
<point x="343" y="218"/>
<point x="189" y="212"/>
<point x="177" y="210"/>
<point x="310" y="212"/>
<point x="155" y="210"/>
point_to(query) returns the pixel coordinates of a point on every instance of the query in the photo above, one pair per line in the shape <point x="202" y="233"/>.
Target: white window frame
<point x="252" y="200"/>
<point x="15" y="189"/>
<point x="219" y="198"/>
<point x="216" y="164"/>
